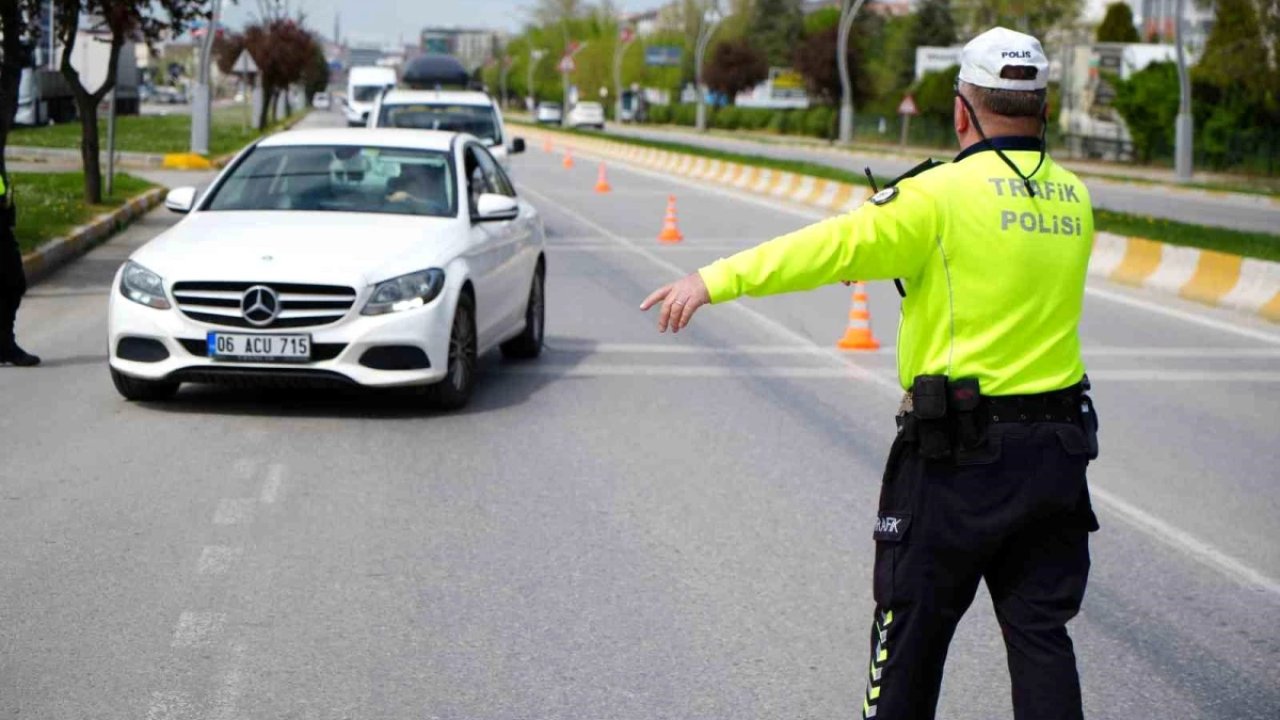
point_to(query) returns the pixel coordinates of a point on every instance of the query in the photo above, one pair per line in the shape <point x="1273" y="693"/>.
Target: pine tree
<point x="1117" y="25"/>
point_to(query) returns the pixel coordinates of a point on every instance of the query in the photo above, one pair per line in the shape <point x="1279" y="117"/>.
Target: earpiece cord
<point x="1044" y="129"/>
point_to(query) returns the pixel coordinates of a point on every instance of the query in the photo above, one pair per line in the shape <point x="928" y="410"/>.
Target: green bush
<point x="819" y="121"/>
<point x="660" y="114"/>
<point x="727" y="118"/>
<point x="685" y="114"/>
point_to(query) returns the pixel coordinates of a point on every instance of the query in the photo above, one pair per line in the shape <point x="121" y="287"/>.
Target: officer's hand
<point x="680" y="300"/>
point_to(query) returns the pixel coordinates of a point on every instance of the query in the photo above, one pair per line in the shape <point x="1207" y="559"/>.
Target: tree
<point x="226" y="50"/>
<point x="1148" y="102"/>
<point x="935" y="93"/>
<point x="1117" y="25"/>
<point x="933" y="26"/>
<point x="17" y="33"/>
<point x="1035" y="17"/>
<point x="315" y="75"/>
<point x="776" y="28"/>
<point x="815" y="60"/>
<point x="736" y="65"/>
<point x="117" y="21"/>
<point x="282" y="49"/>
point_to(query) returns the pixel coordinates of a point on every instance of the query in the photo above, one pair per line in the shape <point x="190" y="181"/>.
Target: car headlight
<point x="405" y="292"/>
<point x="143" y="286"/>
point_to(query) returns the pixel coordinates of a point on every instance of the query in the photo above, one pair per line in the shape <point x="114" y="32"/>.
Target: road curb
<point x="1205" y="276"/>
<point x="124" y="160"/>
<point x="54" y="254"/>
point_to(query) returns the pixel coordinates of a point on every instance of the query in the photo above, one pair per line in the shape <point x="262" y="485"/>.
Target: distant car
<point x="170" y="94"/>
<point x="468" y="111"/>
<point x="321" y="101"/>
<point x="547" y="113"/>
<point x="335" y="257"/>
<point x="587" y="114"/>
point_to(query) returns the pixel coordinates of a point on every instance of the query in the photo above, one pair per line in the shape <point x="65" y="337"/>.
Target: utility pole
<point x="1184" y="126"/>
<point x="535" y="56"/>
<point x="848" y="11"/>
<point x="202" y="101"/>
<point x="710" y="19"/>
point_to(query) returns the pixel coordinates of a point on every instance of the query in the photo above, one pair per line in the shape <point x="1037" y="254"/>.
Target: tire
<point x="455" y="390"/>
<point x="528" y="344"/>
<point x="136" y="390"/>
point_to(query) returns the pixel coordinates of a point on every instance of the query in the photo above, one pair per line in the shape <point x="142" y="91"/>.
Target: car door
<point x="490" y="242"/>
<point x="516" y="259"/>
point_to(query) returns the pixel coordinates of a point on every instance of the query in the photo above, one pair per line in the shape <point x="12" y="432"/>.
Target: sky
<point x="391" y="21"/>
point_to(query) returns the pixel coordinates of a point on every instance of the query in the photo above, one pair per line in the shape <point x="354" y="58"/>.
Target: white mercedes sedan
<point x="375" y="258"/>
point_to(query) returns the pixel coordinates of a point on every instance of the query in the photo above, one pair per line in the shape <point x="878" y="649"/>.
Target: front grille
<point x="301" y="305"/>
<point x="254" y="378"/>
<point x="319" y="351"/>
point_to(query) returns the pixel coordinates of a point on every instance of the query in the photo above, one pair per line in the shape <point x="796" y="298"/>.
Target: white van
<point x="364" y="85"/>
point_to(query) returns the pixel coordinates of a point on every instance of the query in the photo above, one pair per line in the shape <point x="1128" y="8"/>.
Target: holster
<point x="933" y="430"/>
<point x="1089" y="418"/>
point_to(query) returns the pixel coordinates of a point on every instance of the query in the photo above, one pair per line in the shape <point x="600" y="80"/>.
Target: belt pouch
<point x="929" y="398"/>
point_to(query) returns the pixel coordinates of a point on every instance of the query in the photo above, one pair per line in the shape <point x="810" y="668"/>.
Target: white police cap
<point x="995" y="60"/>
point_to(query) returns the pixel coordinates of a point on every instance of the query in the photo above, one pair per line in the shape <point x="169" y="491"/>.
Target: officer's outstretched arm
<point x="875" y="242"/>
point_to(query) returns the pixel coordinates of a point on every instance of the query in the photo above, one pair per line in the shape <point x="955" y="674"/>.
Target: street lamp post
<point x="624" y="39"/>
<point x="535" y="55"/>
<point x="1183" y="126"/>
<point x="710" y="19"/>
<point x="848" y="11"/>
<point x="202" y="102"/>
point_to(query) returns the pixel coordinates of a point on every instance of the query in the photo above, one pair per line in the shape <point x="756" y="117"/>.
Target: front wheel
<point x="137" y="390"/>
<point x="528" y="344"/>
<point x="455" y="390"/>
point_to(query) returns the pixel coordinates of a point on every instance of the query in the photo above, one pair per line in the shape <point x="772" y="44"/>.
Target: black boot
<point x="11" y="354"/>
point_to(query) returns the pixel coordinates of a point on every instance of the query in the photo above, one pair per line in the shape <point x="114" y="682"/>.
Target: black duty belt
<point x="1056" y="406"/>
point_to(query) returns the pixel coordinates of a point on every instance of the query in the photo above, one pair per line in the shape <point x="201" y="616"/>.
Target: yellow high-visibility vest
<point x="995" y="278"/>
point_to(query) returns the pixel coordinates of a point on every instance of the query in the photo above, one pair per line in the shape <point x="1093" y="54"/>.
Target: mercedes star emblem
<point x="260" y="305"/>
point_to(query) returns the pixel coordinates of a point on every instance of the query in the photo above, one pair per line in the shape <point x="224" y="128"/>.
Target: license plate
<point x="259" y="348"/>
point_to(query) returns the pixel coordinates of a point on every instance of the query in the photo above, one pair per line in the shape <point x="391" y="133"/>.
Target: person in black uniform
<point x="13" y="282"/>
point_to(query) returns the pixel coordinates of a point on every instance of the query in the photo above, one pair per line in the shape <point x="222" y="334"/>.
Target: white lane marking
<point x="778" y="328"/>
<point x="234" y="511"/>
<point x="1182" y="540"/>
<point x="852" y="372"/>
<point x="1116" y="297"/>
<point x="197" y="628"/>
<point x="691" y="246"/>
<point x="271" y="486"/>
<point x="1184" y="315"/>
<point x="672" y="349"/>
<point x="1096" y="351"/>
<point x="1182" y="352"/>
<point x="169" y="705"/>
<point x="1214" y="559"/>
<point x="1245" y="376"/>
<point x="217" y="559"/>
<point x="230" y="687"/>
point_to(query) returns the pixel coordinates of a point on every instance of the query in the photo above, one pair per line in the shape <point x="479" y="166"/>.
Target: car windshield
<point x="340" y="178"/>
<point x="478" y="120"/>
<point x="366" y="93"/>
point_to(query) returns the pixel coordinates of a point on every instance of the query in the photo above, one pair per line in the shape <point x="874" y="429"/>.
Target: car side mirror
<point x="491" y="207"/>
<point x="517" y="146"/>
<point x="180" y="200"/>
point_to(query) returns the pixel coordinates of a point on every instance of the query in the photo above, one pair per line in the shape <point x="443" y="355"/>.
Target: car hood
<point x="355" y="249"/>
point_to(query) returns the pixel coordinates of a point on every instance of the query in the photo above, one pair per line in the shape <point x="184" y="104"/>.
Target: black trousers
<point x="13" y="281"/>
<point x="1014" y="512"/>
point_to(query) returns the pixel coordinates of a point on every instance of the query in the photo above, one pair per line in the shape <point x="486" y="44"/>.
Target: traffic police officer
<point x="986" y="478"/>
<point x="13" y="282"/>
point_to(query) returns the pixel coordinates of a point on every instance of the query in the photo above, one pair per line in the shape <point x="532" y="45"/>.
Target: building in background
<point x="472" y="47"/>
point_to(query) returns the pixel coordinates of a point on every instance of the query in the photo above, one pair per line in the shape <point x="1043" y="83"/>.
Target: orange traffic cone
<point x="857" y="336"/>
<point x="568" y="159"/>
<point x="670" y="233"/>
<point x="602" y="183"/>
<point x="546" y="145"/>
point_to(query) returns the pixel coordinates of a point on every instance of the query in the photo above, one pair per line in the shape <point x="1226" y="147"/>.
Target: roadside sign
<point x="908" y="106"/>
<point x="567" y="65"/>
<point x="244" y="64"/>
<point x="663" y="55"/>
<point x="627" y="35"/>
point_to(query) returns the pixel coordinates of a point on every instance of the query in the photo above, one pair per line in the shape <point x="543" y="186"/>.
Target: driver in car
<point x="418" y="183"/>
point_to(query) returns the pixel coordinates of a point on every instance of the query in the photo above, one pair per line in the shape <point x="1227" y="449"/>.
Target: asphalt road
<point x="1235" y="211"/>
<point x="634" y="526"/>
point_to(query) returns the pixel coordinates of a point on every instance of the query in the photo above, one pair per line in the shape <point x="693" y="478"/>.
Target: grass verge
<point x="50" y="204"/>
<point x="1249" y="244"/>
<point x="152" y="133"/>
